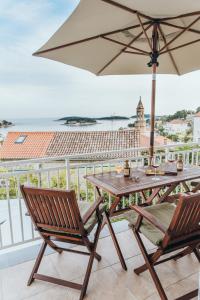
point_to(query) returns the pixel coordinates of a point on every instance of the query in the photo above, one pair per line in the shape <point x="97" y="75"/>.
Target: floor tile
<point x="108" y="280"/>
<point x="140" y="286"/>
<point x="14" y="280"/>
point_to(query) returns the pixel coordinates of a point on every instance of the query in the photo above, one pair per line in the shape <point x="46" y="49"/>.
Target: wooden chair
<point x="170" y="227"/>
<point x="59" y="217"/>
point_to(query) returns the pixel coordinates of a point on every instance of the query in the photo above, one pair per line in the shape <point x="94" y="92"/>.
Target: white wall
<point x="175" y="128"/>
<point x="196" y="129"/>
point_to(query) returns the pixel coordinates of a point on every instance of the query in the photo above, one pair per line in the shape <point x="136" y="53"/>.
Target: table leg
<point x="154" y="194"/>
<point x="196" y="188"/>
<point x="186" y="187"/>
<point x="106" y="220"/>
<point x="168" y="192"/>
<point x="113" y="205"/>
<point x="115" y="241"/>
<point x="98" y="191"/>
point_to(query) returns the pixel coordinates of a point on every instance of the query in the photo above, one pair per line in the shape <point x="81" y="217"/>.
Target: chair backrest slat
<point x="185" y="223"/>
<point x="54" y="209"/>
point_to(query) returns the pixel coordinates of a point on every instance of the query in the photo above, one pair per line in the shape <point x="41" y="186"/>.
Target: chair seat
<point x="162" y="212"/>
<point x="84" y="207"/>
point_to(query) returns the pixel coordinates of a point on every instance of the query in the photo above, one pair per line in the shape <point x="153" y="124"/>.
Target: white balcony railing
<point x="64" y="173"/>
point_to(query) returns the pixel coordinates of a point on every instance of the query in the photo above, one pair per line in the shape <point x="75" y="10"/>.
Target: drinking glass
<point x="155" y="165"/>
<point x="119" y="169"/>
<point x="170" y="157"/>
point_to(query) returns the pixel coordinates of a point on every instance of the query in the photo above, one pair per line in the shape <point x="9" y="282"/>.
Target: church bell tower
<point x="140" y="122"/>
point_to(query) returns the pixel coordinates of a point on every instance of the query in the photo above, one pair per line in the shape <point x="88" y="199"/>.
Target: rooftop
<point x="27" y="145"/>
<point x="22" y="145"/>
<point x="178" y="121"/>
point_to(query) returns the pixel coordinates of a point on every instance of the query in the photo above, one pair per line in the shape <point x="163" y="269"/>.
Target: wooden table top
<point x="123" y="186"/>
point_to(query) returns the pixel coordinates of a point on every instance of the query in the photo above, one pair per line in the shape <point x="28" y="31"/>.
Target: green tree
<point x="198" y="109"/>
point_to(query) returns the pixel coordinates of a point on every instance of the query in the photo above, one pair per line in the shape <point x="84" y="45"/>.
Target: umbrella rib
<point x="137" y="53"/>
<point x="126" y="8"/>
<point x="180" y="33"/>
<point x="88" y="39"/>
<point x="123" y="44"/>
<point x="121" y="51"/>
<point x="181" y="46"/>
<point x="144" y="31"/>
<point x="168" y="49"/>
<point x="179" y="27"/>
<point x="182" y="16"/>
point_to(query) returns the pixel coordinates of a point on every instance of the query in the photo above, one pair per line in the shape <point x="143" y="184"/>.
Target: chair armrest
<point x="92" y="209"/>
<point x="176" y="197"/>
<point x="2" y="222"/>
<point x="149" y="217"/>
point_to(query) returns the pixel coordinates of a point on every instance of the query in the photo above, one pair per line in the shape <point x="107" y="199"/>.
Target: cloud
<point x="36" y="87"/>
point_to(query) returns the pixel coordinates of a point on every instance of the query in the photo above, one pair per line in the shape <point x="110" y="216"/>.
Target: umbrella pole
<point x="153" y="63"/>
<point x="153" y="99"/>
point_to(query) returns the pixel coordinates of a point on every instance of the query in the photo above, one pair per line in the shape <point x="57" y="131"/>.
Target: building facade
<point x="196" y="128"/>
<point x="176" y="126"/>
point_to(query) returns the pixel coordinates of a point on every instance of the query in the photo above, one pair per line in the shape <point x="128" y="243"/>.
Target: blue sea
<point x="48" y="124"/>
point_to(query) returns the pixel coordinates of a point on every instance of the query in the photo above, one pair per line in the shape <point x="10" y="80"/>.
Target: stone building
<point x="140" y="123"/>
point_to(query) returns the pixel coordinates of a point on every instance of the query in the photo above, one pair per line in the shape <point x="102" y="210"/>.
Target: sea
<point x="49" y="124"/>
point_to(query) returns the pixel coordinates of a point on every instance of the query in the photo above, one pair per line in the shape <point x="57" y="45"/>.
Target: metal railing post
<point x="68" y="177"/>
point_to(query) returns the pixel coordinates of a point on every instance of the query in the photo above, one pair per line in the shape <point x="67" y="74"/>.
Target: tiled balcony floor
<point x="108" y="280"/>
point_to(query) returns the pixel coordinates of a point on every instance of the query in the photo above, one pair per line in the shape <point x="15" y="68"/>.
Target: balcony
<point x="19" y="242"/>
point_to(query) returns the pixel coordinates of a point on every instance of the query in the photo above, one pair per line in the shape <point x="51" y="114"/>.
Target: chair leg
<point x="183" y="253"/>
<point x="96" y="255"/>
<point x="53" y="246"/>
<point x="150" y="266"/>
<point x="37" y="262"/>
<point x="90" y="263"/>
<point x="112" y="233"/>
<point x="197" y="253"/>
<point x="141" y="269"/>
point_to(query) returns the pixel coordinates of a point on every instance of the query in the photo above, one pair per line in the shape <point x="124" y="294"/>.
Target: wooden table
<point x="123" y="187"/>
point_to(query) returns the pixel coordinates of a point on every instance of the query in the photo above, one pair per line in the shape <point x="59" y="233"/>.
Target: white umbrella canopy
<point x="113" y="37"/>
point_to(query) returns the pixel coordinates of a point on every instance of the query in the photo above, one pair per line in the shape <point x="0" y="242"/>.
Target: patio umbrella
<point x="108" y="37"/>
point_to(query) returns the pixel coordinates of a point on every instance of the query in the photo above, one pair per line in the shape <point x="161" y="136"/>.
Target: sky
<point x="32" y="87"/>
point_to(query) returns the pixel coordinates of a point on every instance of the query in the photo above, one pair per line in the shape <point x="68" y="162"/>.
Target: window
<point x="20" y="139"/>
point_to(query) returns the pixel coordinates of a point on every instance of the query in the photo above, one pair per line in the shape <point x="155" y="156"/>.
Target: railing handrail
<point x="88" y="155"/>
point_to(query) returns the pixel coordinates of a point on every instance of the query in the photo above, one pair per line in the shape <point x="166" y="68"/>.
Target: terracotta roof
<point x="159" y="140"/>
<point x="24" y="145"/>
<point x="71" y="143"/>
<point x="178" y="121"/>
<point x="34" y="145"/>
<point x="50" y="144"/>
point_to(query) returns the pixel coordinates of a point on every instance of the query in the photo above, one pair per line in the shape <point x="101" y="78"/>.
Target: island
<point x="5" y="124"/>
<point x="78" y="121"/>
<point x="113" y="118"/>
<point x="147" y="116"/>
<point x="84" y="121"/>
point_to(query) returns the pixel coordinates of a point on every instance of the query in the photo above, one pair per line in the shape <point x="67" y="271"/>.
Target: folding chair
<point x="57" y="216"/>
<point x="170" y="227"/>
